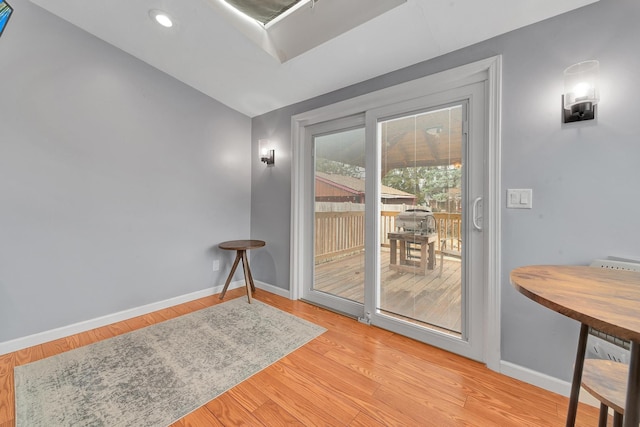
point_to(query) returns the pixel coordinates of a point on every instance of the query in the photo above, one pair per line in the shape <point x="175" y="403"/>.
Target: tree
<point x="425" y="182"/>
<point x="338" y="168"/>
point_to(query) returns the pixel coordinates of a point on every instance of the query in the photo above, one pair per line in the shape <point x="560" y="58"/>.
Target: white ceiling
<point x="207" y="51"/>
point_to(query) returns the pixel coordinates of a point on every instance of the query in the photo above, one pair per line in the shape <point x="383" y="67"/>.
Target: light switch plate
<point x="519" y="198"/>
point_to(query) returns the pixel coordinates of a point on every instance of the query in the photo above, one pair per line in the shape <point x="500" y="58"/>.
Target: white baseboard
<point x="285" y="293"/>
<point x="544" y="381"/>
<point x="65" y="331"/>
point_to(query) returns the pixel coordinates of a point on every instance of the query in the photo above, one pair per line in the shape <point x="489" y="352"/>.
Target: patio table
<point x="405" y="264"/>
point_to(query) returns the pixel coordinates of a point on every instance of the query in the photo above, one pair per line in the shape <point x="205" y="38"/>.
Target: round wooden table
<point x="241" y="247"/>
<point x="606" y="299"/>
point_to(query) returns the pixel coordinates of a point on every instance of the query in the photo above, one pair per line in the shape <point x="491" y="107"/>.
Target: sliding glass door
<point x="421" y="256"/>
<point x="338" y="190"/>
<point x="394" y="208"/>
<point x="427" y="275"/>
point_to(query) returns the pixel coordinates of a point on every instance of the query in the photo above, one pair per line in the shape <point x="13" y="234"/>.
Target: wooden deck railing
<point x="387" y="225"/>
<point x="342" y="233"/>
<point x="338" y="233"/>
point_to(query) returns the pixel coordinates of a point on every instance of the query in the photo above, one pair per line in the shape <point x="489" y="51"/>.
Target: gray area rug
<point x="157" y="375"/>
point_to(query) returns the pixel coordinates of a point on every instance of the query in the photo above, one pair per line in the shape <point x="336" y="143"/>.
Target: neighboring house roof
<point x="354" y="185"/>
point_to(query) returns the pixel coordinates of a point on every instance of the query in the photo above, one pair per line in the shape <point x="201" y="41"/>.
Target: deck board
<point x="428" y="299"/>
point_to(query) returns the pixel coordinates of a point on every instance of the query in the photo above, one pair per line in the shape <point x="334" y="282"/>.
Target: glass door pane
<point x="421" y="256"/>
<point x="339" y="197"/>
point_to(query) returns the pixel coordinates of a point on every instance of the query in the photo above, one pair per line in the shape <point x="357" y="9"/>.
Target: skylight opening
<point x="301" y="25"/>
<point x="267" y="12"/>
<point x="289" y="11"/>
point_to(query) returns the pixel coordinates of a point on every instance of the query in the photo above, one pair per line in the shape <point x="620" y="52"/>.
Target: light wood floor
<point x="352" y="375"/>
<point x="426" y="298"/>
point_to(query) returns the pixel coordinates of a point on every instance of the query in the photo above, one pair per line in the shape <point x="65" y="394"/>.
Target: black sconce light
<point x="581" y="92"/>
<point x="267" y="152"/>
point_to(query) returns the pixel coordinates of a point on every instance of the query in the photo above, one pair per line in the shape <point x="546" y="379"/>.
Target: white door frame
<point x="491" y="69"/>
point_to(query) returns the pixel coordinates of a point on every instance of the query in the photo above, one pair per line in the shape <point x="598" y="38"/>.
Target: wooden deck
<point x="428" y="299"/>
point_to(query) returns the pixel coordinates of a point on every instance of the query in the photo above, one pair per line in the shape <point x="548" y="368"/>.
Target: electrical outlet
<point x="216" y="265"/>
<point x="601" y="349"/>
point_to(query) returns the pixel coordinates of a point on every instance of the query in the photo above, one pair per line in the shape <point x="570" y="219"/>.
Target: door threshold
<point x="333" y="310"/>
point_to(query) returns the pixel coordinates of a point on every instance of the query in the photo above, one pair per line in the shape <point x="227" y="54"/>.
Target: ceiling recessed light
<point x="161" y="18"/>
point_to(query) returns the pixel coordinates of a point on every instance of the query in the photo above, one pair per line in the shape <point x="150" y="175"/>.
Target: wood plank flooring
<point x="429" y="299"/>
<point x="352" y="375"/>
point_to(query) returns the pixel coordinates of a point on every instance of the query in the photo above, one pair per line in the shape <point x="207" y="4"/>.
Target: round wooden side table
<point x="241" y="247"/>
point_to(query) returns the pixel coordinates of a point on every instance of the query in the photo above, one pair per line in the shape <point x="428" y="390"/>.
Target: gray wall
<point x="585" y="177"/>
<point x="116" y="181"/>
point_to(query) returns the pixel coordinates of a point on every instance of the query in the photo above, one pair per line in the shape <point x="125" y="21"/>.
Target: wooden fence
<point x="342" y="233"/>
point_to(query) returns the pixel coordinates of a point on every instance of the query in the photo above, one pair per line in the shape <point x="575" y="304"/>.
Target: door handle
<point x="474" y="214"/>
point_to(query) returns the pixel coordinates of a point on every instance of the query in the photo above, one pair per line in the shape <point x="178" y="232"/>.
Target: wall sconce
<point x="581" y="91"/>
<point x="267" y="152"/>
